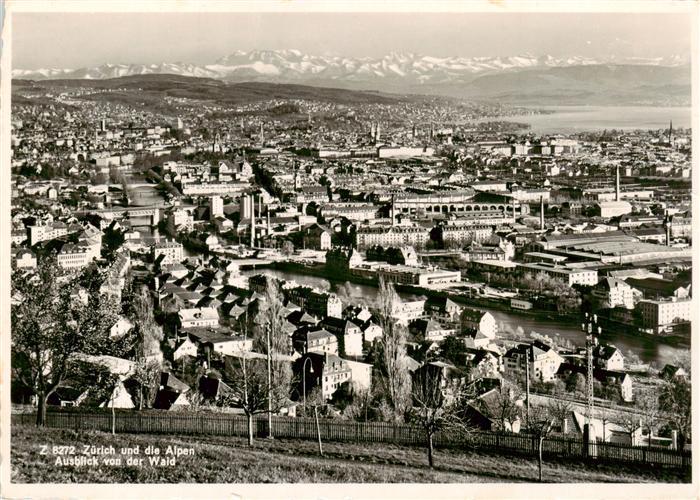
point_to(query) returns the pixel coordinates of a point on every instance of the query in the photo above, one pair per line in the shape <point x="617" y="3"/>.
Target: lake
<point x="572" y="119"/>
<point x="648" y="350"/>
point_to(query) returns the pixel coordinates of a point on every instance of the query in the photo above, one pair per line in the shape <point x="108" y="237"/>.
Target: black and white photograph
<point x="315" y="243"/>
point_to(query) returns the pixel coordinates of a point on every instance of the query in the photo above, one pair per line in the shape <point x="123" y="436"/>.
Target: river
<point x="647" y="349"/>
<point x="572" y="119"/>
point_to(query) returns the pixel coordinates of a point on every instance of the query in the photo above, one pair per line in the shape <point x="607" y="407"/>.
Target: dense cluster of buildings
<point x="448" y="210"/>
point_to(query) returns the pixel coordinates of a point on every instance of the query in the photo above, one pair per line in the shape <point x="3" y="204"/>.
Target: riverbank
<point x="563" y="329"/>
<point x="320" y="271"/>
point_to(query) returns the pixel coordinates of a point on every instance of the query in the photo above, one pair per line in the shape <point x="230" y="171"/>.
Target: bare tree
<point x="103" y="384"/>
<point x="604" y="414"/>
<point x="436" y="405"/>
<point x="561" y="411"/>
<point x="503" y="406"/>
<point x="648" y="403"/>
<point x="149" y="333"/>
<point x="631" y="426"/>
<point x="287" y="248"/>
<point x="147" y="375"/>
<point x="274" y="342"/>
<point x="541" y="423"/>
<point x="249" y="390"/>
<point x="675" y="400"/>
<point x="395" y="376"/>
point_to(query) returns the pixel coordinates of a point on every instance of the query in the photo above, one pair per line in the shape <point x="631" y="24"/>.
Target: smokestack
<point x="252" y="221"/>
<point x="512" y="201"/>
<point x="393" y="210"/>
<point x="262" y="134"/>
<point x="667" y="225"/>
<point x="268" y="221"/>
<point x="617" y="182"/>
<point x="542" y="213"/>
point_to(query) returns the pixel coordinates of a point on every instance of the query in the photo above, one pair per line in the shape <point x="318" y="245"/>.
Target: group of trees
<point x="566" y="298"/>
<point x="262" y="386"/>
<point x="52" y="321"/>
<point x="56" y="317"/>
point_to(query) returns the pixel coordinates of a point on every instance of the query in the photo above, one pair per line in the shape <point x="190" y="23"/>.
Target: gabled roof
<point x="604" y="351"/>
<point x="300" y="317"/>
<point x="211" y="388"/>
<point x="320" y="334"/>
<point x="170" y="382"/>
<point x="473" y="315"/>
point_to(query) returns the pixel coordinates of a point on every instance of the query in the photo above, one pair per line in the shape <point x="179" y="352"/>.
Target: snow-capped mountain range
<point x="293" y="66"/>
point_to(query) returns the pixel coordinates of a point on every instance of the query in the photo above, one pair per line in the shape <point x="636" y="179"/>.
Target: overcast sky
<point x="77" y="40"/>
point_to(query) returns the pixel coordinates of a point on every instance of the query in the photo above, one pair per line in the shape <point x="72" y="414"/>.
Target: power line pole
<point x="527" y="387"/>
<point x="592" y="330"/>
<point x="269" y="385"/>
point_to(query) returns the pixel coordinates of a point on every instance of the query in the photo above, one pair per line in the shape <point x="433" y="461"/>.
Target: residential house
<point x="327" y="371"/>
<point x="543" y="361"/>
<point x="361" y="375"/>
<point x="443" y="309"/>
<point x="198" y="317"/>
<point x="23" y="258"/>
<point x="217" y="342"/>
<point x="170" y="251"/>
<point x="430" y="330"/>
<point x="484" y="364"/>
<point x="608" y="357"/>
<point x="473" y="319"/>
<point x="348" y="333"/>
<point x="317" y="237"/>
<point x="487" y="412"/>
<point x="371" y="331"/>
<point x="184" y="347"/>
<point x="620" y="380"/>
<point x="172" y="393"/>
<point x="315" y="341"/>
<point x="613" y="292"/>
<point x="212" y="389"/>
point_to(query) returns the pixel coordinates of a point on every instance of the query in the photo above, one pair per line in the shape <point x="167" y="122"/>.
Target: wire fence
<point x="226" y="424"/>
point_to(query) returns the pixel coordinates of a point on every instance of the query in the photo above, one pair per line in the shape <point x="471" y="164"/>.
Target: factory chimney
<point x="617" y="182"/>
<point x="542" y="213"/>
<point x="252" y="221"/>
<point x="667" y="226"/>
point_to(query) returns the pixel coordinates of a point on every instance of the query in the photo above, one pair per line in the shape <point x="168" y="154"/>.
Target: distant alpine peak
<point x="293" y="65"/>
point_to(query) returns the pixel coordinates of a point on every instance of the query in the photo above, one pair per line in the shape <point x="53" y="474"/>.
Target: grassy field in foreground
<point x="230" y="460"/>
